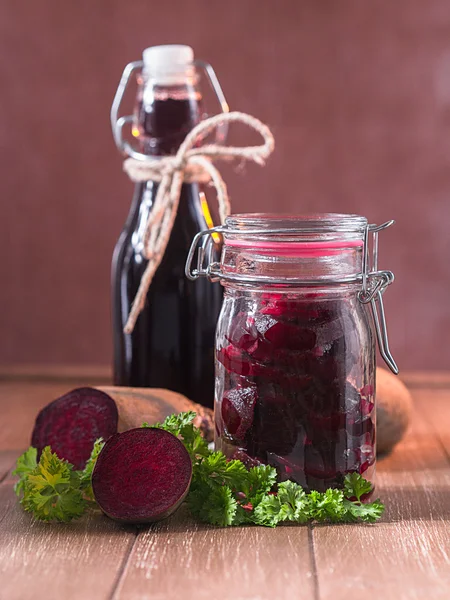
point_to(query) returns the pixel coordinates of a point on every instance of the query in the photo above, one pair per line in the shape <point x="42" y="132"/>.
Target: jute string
<point x="190" y="164"/>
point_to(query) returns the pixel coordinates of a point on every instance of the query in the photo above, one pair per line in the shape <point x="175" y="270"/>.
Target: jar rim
<point x="303" y="223"/>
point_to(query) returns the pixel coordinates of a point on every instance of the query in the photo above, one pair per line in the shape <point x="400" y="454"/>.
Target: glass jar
<point x="295" y="345"/>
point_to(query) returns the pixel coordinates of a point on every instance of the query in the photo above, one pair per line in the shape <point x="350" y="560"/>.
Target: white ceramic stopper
<point x="168" y="65"/>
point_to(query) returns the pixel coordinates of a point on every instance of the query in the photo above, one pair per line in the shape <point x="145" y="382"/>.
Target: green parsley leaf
<point x="212" y="496"/>
<point x="294" y="502"/>
<point x="181" y="425"/>
<point x="86" y="473"/>
<point x="258" y="481"/>
<point x="26" y="463"/>
<point x="221" y="507"/>
<point x="174" y="423"/>
<point x="326" y="506"/>
<point x="355" y="486"/>
<point x="290" y="504"/>
<point x="268" y="511"/>
<point x="369" y="512"/>
<point x="52" y="491"/>
<point x="217" y="470"/>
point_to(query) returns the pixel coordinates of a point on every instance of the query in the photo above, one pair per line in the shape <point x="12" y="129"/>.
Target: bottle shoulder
<point x="189" y="220"/>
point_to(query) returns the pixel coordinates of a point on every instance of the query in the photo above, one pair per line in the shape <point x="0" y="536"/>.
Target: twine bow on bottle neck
<point x="192" y="163"/>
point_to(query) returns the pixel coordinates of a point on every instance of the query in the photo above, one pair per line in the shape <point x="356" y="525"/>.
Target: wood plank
<point x="80" y="560"/>
<point x="182" y="559"/>
<point x="435" y="408"/>
<point x="7" y="462"/>
<point x="407" y="555"/>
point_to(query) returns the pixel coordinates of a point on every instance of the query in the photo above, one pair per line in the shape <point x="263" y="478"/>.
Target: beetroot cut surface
<point x="71" y="424"/>
<point x="142" y="475"/>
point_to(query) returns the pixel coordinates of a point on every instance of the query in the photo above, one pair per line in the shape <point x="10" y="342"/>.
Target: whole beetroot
<point x="71" y="424"/>
<point x="141" y="475"/>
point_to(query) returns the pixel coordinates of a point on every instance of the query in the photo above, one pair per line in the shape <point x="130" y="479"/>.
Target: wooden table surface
<point x="405" y="556"/>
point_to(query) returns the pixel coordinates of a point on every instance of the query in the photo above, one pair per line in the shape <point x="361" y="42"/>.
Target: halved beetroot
<point x="141" y="475"/>
<point x="71" y="424"/>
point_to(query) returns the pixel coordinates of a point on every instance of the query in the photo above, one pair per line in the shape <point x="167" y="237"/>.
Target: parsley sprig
<point x="223" y="492"/>
<point x="51" y="489"/>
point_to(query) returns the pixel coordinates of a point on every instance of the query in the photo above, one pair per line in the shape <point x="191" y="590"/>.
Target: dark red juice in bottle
<point x="172" y="342"/>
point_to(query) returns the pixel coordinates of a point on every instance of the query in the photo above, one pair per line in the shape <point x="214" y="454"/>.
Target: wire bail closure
<point x="373" y="281"/>
<point x="118" y="123"/>
<point x="374" y="284"/>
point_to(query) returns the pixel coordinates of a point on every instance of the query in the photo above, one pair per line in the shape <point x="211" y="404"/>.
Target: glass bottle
<point x="172" y="342"/>
<point x="295" y="346"/>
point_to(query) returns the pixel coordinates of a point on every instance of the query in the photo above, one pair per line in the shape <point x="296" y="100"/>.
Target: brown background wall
<point x="357" y="94"/>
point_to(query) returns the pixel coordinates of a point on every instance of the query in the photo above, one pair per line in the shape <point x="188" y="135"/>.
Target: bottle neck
<point x="165" y="114"/>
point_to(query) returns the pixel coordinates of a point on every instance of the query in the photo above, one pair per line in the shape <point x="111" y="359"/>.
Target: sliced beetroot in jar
<point x="238" y="406"/>
<point x="338" y="395"/>
<point x="319" y="461"/>
<point x="285" y="310"/>
<point x="323" y="400"/>
<point x="242" y="333"/>
<point x="248" y="461"/>
<point x="263" y="323"/>
<point x="277" y="310"/>
<point x="291" y="385"/>
<point x="283" y="360"/>
<point x="361" y="453"/>
<point x="262" y="351"/>
<point x="320" y="426"/>
<point x="367" y="391"/>
<point x="308" y="420"/>
<point x="240" y="363"/>
<point x="246" y="342"/>
<point x="235" y="361"/>
<point x="367" y="455"/>
<point x="322" y="485"/>
<point x="367" y="406"/>
<point x="141" y="475"/>
<point x="330" y="332"/>
<point x="351" y="400"/>
<point x="287" y="468"/>
<point x="367" y="400"/>
<point x="291" y="337"/>
<point x="296" y="310"/>
<point x="325" y="368"/>
<point x="71" y="424"/>
<point x="320" y="474"/>
<point x="370" y="459"/>
<point x="293" y="362"/>
<point x="360" y="428"/>
<point x="273" y="428"/>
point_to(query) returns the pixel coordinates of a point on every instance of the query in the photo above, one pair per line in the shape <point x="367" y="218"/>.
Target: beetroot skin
<point x="141" y="475"/>
<point x="71" y="424"/>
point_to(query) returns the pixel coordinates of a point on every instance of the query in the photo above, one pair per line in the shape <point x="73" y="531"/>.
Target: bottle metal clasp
<point x="118" y="123"/>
